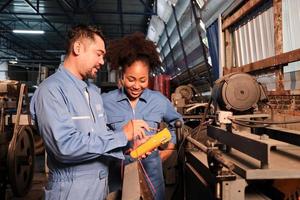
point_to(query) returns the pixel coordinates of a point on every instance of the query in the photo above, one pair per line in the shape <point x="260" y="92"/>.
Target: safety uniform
<point x="71" y="120"/>
<point x="153" y="108"/>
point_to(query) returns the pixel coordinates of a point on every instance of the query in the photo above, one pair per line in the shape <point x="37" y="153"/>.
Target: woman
<point x="137" y="57"/>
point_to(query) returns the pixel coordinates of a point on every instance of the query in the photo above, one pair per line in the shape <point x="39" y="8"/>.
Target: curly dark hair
<point x="125" y="51"/>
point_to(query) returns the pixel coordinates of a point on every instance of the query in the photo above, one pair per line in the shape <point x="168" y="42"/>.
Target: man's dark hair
<point x="82" y="31"/>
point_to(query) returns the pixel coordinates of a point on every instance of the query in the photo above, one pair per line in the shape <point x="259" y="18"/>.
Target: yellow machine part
<point x="154" y="142"/>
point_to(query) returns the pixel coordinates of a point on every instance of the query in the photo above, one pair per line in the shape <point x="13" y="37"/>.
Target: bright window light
<point x="29" y="31"/>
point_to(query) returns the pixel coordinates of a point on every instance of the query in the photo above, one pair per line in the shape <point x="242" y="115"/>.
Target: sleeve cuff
<point x="121" y="141"/>
<point x="121" y="138"/>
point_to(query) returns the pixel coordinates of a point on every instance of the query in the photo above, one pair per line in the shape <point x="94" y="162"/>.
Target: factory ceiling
<point x="116" y="18"/>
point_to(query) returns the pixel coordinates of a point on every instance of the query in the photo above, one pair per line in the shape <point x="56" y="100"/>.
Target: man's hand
<point x="135" y="129"/>
<point x="141" y="141"/>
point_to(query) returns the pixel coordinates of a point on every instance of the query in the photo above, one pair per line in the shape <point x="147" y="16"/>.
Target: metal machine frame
<point x="236" y="159"/>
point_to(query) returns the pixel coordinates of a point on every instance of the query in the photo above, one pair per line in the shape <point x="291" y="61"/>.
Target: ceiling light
<point x="29" y="31"/>
<point x="13" y="61"/>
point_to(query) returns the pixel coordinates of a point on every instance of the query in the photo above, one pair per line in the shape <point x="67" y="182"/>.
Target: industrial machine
<point x="238" y="92"/>
<point x="187" y="99"/>
<point x="17" y="154"/>
<point x="245" y="156"/>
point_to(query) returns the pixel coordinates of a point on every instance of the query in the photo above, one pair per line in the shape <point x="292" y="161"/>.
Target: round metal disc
<point x="240" y="92"/>
<point x="20" y="158"/>
<point x="185" y="91"/>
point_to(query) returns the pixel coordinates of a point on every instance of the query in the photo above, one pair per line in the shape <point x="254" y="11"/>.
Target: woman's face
<point x="136" y="77"/>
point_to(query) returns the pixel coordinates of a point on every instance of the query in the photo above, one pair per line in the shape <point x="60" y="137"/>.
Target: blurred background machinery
<point x="17" y="150"/>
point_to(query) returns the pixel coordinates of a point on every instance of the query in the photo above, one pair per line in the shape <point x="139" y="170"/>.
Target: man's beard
<point x="90" y="74"/>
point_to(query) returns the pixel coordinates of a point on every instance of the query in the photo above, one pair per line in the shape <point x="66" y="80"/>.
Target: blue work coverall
<point x="153" y="108"/>
<point x="71" y="120"/>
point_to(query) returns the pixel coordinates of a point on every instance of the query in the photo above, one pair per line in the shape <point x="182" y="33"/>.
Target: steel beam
<point x="250" y="146"/>
<point x="8" y="55"/>
<point x="30" y="44"/>
<point x="63" y="14"/>
<point x="71" y="19"/>
<point x="169" y="43"/>
<point x="181" y="42"/>
<point x="197" y="20"/>
<point x="90" y="12"/>
<point x="38" y="5"/>
<point x="45" y="61"/>
<point x="16" y="44"/>
<point x="164" y="60"/>
<point x="281" y="134"/>
<point x="67" y="4"/>
<point x="120" y="10"/>
<point x="146" y="6"/>
<point x="5" y="5"/>
<point x="28" y="26"/>
<point x="44" y="18"/>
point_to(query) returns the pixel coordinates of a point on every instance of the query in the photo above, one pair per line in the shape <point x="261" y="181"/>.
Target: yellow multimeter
<point x="155" y="141"/>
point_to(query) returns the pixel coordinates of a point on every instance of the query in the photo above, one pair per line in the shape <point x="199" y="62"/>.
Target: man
<point x="70" y="117"/>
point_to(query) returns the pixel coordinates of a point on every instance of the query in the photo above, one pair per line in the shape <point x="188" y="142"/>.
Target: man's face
<point x="92" y="57"/>
<point x="136" y="77"/>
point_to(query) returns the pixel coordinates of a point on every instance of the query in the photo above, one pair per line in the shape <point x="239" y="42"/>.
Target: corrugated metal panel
<point x="190" y="38"/>
<point x="237" y="55"/>
<point x="291" y="29"/>
<point x="257" y="40"/>
<point x="254" y="40"/>
<point x="291" y="41"/>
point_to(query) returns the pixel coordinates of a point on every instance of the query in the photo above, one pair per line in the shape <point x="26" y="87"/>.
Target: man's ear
<point x="77" y="47"/>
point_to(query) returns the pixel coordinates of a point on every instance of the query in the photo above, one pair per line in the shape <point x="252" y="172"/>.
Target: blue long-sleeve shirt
<point x="73" y="125"/>
<point x="152" y="107"/>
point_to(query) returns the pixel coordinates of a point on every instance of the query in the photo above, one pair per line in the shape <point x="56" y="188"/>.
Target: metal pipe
<point x="216" y="154"/>
<point x="197" y="144"/>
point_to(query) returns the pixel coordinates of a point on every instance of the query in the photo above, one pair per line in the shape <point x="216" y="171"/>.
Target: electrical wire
<point x="250" y="125"/>
<point x="153" y="190"/>
<point x="135" y="145"/>
<point x="263" y="122"/>
<point x="260" y="123"/>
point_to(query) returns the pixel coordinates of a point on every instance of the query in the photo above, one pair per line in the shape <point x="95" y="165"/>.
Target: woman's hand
<point x="166" y="153"/>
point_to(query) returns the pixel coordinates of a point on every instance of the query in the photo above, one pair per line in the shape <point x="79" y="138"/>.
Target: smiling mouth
<point x="135" y="93"/>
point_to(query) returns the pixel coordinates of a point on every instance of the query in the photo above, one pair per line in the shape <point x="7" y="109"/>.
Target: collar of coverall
<point x="80" y="84"/>
<point x="122" y="95"/>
